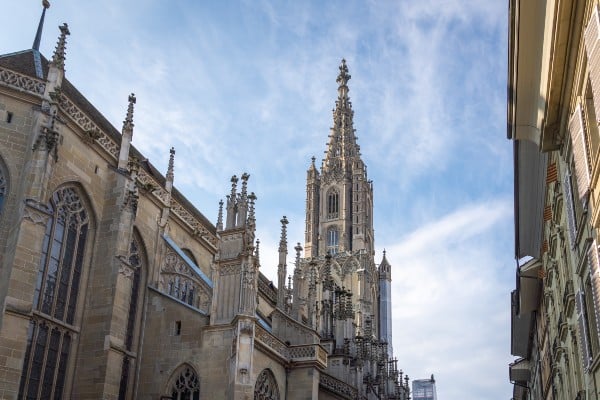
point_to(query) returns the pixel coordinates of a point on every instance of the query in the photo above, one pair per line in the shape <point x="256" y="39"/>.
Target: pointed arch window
<point x="186" y="386"/>
<point x="333" y="240"/>
<point x="3" y="189"/>
<point x="135" y="261"/>
<point x="333" y="204"/>
<point x="55" y="297"/>
<point x="266" y="386"/>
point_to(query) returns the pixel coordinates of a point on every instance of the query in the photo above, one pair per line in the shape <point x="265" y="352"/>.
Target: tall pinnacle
<point x="38" y="34"/>
<point x="343" y="78"/>
<point x="342" y="142"/>
<point x="58" y="59"/>
<point x="128" y="123"/>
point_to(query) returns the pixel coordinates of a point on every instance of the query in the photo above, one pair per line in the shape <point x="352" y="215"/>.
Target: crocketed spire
<point x="58" y="59"/>
<point x="342" y="142"/>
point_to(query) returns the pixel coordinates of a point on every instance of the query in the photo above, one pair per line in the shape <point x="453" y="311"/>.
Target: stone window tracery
<point x="266" y="386"/>
<point x="186" y="386"/>
<point x="135" y="261"/>
<point x="333" y="240"/>
<point x="3" y="189"/>
<point x="333" y="204"/>
<point x="55" y="297"/>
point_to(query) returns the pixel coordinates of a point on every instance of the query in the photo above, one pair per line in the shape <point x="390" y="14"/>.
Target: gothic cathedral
<point x="114" y="286"/>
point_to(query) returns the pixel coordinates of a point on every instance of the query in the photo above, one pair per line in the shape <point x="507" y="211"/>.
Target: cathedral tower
<point x="339" y="202"/>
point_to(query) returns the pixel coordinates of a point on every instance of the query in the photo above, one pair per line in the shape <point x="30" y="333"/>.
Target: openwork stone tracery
<point x="266" y="386"/>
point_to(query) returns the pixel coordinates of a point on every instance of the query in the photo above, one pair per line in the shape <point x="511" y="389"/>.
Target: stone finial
<point x="343" y="76"/>
<point x="58" y="59"/>
<point x="126" y="135"/>
<point x="298" y="249"/>
<point x="283" y="240"/>
<point x="220" y="216"/>
<point x="128" y="123"/>
<point x="251" y="213"/>
<point x="234" y="181"/>
<point x="170" y="174"/>
<point x="170" y="171"/>
<point x="245" y="177"/>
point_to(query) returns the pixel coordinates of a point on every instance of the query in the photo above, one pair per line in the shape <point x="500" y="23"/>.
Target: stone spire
<point x="385" y="303"/>
<point x="58" y="59"/>
<point x="220" y="217"/>
<point x="126" y="135"/>
<point x="170" y="174"/>
<point x="242" y="203"/>
<point x="38" y="34"/>
<point x="342" y="142"/>
<point x="232" y="204"/>
<point x="282" y="267"/>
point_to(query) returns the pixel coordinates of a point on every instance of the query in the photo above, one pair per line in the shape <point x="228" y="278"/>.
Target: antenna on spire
<point x="38" y="34"/>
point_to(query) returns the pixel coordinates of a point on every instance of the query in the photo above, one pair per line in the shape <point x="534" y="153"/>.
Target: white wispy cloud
<point x="249" y="86"/>
<point x="450" y="300"/>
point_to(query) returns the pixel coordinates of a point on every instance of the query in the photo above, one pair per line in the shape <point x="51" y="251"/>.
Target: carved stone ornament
<point x="36" y="212"/>
<point x="125" y="268"/>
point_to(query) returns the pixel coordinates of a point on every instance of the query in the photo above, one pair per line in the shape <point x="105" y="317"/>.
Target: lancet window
<point x="135" y="261"/>
<point x="3" y="189"/>
<point x="186" y="386"/>
<point x="333" y="204"/>
<point x="333" y="240"/>
<point x="55" y="297"/>
<point x="266" y="386"/>
<point x="183" y="290"/>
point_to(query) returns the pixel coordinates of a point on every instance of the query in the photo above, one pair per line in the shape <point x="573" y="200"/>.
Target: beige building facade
<point x="114" y="286"/>
<point x="553" y="109"/>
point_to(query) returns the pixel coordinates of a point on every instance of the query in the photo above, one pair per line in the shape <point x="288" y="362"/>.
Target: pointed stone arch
<point x="3" y="184"/>
<point x="266" y="387"/>
<point x="64" y="263"/>
<point x="184" y="384"/>
<point x="138" y="261"/>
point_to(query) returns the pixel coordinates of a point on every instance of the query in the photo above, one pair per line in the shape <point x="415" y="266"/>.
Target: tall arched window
<point x="135" y="260"/>
<point x="266" y="386"/>
<point x="333" y="240"/>
<point x="186" y="385"/>
<point x="3" y="187"/>
<point x="333" y="204"/>
<point x="55" y="297"/>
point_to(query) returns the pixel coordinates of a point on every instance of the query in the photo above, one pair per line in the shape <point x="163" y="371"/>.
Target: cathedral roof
<point x="33" y="64"/>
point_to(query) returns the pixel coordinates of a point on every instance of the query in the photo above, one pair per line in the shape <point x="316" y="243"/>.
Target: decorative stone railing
<point x="266" y="289"/>
<point x="271" y="342"/>
<point x="22" y="82"/>
<point x="307" y="353"/>
<point x="335" y="385"/>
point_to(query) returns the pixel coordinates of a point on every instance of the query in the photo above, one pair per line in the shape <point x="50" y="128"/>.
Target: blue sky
<point x="240" y="86"/>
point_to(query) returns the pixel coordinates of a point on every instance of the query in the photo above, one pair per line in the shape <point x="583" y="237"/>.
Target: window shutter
<point x="584" y="343"/>
<point x="568" y="194"/>
<point x="580" y="158"/>
<point x="594" y="264"/>
<point x="592" y="47"/>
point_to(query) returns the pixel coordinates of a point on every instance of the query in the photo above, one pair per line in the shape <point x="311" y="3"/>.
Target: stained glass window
<point x="135" y="260"/>
<point x="55" y="297"/>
